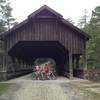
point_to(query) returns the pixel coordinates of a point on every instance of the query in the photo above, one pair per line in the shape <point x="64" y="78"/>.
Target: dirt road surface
<point x="24" y="88"/>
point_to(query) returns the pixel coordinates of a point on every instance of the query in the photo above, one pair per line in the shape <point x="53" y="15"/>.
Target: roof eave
<point x="87" y="36"/>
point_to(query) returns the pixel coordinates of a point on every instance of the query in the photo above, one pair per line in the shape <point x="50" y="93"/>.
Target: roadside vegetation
<point x="88" y="94"/>
<point x="3" y="87"/>
<point x="87" y="91"/>
<point x="92" y="26"/>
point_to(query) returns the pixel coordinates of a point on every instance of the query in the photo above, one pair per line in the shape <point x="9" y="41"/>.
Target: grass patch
<point x="91" y="94"/>
<point x="88" y="94"/>
<point x="4" y="87"/>
<point x="95" y="86"/>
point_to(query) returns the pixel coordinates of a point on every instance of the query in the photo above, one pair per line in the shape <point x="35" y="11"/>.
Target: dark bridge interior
<point x="28" y="51"/>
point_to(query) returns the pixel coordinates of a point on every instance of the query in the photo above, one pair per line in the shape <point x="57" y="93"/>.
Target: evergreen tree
<point x="2" y="23"/>
<point x="95" y="18"/>
<point x="83" y="20"/>
<point x="70" y="20"/>
<point x="93" y="46"/>
<point x="6" y="19"/>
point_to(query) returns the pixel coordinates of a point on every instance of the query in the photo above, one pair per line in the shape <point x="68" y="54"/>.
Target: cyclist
<point x="37" y="71"/>
<point x="46" y="70"/>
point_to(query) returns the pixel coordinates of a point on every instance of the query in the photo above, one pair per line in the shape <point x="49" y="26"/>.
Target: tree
<point x="2" y="23"/>
<point x="93" y="47"/>
<point x="70" y="20"/>
<point x="9" y="20"/>
<point x="6" y="19"/>
<point x="95" y="18"/>
<point x="83" y="20"/>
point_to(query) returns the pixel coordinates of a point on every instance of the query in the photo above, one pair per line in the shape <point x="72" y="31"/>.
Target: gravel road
<point x="24" y="88"/>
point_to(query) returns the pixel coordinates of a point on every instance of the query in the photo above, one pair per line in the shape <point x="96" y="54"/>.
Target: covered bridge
<point x="45" y="33"/>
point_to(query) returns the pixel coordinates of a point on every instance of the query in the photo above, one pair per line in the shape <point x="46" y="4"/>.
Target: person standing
<point x="46" y="70"/>
<point x="37" y="72"/>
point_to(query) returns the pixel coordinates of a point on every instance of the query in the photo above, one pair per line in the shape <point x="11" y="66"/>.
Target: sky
<point x="68" y="8"/>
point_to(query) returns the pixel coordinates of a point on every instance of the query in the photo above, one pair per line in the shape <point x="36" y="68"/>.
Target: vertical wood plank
<point x="70" y="66"/>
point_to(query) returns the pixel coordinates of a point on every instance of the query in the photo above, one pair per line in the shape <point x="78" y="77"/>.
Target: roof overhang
<point x="87" y="36"/>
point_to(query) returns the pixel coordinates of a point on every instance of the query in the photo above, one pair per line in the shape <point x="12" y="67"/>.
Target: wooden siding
<point x="48" y="30"/>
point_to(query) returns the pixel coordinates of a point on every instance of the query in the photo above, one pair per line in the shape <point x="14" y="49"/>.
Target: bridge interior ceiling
<point x="30" y="50"/>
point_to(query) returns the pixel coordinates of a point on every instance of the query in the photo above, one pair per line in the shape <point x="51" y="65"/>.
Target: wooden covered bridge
<point x="45" y="33"/>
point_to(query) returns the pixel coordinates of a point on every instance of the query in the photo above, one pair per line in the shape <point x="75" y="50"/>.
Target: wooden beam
<point x="70" y="66"/>
<point x="84" y="58"/>
<point x="77" y="62"/>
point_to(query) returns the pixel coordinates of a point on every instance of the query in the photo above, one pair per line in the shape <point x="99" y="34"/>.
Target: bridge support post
<point x="77" y="62"/>
<point x="70" y="66"/>
<point x="84" y="57"/>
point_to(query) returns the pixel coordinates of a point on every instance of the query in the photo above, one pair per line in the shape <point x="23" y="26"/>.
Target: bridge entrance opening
<point x="27" y="52"/>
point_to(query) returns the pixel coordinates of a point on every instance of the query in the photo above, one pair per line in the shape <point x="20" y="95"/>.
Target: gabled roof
<point x="43" y="8"/>
<point x="55" y="13"/>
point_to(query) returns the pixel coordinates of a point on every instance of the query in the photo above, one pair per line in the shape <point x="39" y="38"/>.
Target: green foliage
<point x="3" y="87"/>
<point x="83" y="20"/>
<point x="6" y="19"/>
<point x="91" y="95"/>
<point x="42" y="61"/>
<point x="2" y="24"/>
<point x="70" y="20"/>
<point x="93" y="46"/>
<point x="9" y="20"/>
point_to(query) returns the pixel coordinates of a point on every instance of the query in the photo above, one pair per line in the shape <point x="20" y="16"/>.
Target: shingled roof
<point x="45" y="7"/>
